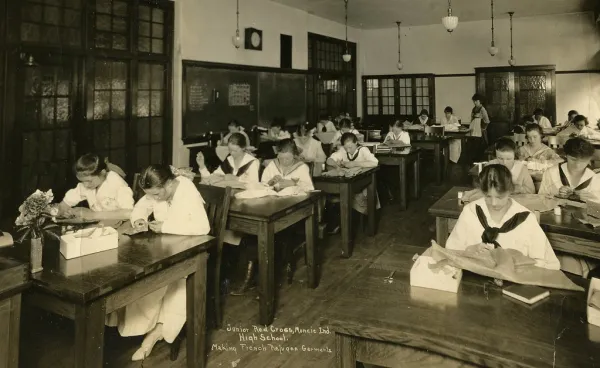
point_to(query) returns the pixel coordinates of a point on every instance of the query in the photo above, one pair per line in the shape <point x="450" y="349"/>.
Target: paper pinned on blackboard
<point x="197" y="97"/>
<point x="239" y="94"/>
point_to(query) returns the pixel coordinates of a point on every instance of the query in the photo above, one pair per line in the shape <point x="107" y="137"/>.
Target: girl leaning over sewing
<point x="102" y="186"/>
<point x="498" y="221"/>
<point x="239" y="165"/>
<point x="178" y="208"/>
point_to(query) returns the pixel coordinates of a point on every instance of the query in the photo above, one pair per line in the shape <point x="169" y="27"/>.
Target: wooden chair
<point x="436" y="131"/>
<point x="553" y="142"/>
<point x="217" y="202"/>
<point x="520" y="139"/>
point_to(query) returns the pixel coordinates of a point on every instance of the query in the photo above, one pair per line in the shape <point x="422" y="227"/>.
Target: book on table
<point x="529" y="294"/>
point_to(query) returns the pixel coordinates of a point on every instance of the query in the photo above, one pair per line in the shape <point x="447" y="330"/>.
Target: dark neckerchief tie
<point x="490" y="234"/>
<point x="355" y="156"/>
<point x="564" y="181"/>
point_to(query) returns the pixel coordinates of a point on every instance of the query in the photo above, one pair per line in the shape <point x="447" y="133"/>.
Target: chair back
<point x="437" y="131"/>
<point x="138" y="192"/>
<point x="520" y="139"/>
<point x="216" y="203"/>
<point x="553" y="142"/>
<point x="428" y="130"/>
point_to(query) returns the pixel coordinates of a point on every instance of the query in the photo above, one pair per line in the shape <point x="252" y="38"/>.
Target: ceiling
<point x="370" y="14"/>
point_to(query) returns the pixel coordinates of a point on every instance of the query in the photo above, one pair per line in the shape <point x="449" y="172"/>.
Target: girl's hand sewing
<point x="156" y="226"/>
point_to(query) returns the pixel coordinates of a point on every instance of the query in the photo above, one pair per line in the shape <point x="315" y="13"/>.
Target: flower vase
<point x="36" y="255"/>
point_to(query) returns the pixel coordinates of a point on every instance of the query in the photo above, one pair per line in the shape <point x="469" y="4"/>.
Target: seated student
<point x="276" y="132"/>
<point x="505" y="155"/>
<point x="498" y="220"/>
<point x="239" y="165"/>
<point x="345" y="127"/>
<point x="572" y="114"/>
<point x="352" y="155"/>
<point x="107" y="194"/>
<point x="451" y="121"/>
<point x="574" y="177"/>
<point x="325" y="125"/>
<point x="424" y="119"/>
<point x="520" y="127"/>
<point x="288" y="170"/>
<point x="311" y="150"/>
<point x="580" y="128"/>
<point x="397" y="135"/>
<point x="178" y="208"/>
<point x="234" y="127"/>
<point x="535" y="150"/>
<point x="541" y="120"/>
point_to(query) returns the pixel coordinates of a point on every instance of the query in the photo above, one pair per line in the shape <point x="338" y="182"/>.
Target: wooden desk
<point x="87" y="288"/>
<point x="439" y="145"/>
<point x="396" y="325"/>
<point x="264" y="217"/>
<point x="346" y="188"/>
<point x="402" y="159"/>
<point x="564" y="232"/>
<point x="14" y="279"/>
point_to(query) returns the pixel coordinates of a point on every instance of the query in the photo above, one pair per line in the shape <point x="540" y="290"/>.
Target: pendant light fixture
<point x="450" y="21"/>
<point x="399" y="65"/>
<point x="237" y="40"/>
<point x="511" y="61"/>
<point x="493" y="50"/>
<point x="347" y="57"/>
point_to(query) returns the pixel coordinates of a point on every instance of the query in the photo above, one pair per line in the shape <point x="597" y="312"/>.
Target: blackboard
<point x="214" y="94"/>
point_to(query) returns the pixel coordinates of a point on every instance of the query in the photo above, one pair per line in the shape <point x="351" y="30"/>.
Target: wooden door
<point x="44" y="110"/>
<point x="535" y="89"/>
<point x="498" y="92"/>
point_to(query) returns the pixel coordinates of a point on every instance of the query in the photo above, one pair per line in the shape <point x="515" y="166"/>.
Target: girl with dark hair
<point x="287" y="170"/>
<point x="580" y="128"/>
<point x="102" y="186"/>
<point x="423" y="119"/>
<point x="537" y="155"/>
<point x="397" y="135"/>
<point x="234" y="126"/>
<point x="505" y="155"/>
<point x="326" y="125"/>
<point x="498" y="221"/>
<point x="541" y="120"/>
<point x="238" y="165"/>
<point x="346" y="126"/>
<point x="311" y="150"/>
<point x="451" y="123"/>
<point x="479" y="123"/>
<point x="570" y="115"/>
<point x="277" y="132"/>
<point x="178" y="208"/>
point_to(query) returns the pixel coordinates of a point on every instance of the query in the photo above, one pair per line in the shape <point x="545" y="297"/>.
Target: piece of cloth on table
<point x="267" y="191"/>
<point x="504" y="264"/>
<point x="345" y="172"/>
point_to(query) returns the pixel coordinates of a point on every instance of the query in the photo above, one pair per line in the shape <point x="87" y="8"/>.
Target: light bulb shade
<point x="493" y="50"/>
<point x="237" y="41"/>
<point x="512" y="61"/>
<point x="400" y="65"/>
<point x="347" y="57"/>
<point x="450" y="22"/>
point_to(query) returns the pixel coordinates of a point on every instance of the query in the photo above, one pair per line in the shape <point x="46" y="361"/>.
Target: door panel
<point x="499" y="101"/>
<point x="44" y="117"/>
<point x="535" y="90"/>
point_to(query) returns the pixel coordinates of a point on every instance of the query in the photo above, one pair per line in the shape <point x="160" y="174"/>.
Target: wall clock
<point x="253" y="39"/>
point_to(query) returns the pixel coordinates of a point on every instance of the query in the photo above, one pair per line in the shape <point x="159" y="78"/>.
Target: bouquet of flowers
<point x="36" y="214"/>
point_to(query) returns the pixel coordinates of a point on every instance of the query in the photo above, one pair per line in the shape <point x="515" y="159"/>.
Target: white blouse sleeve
<point x="458" y="239"/>
<point x="338" y="155"/>
<point x="187" y="215"/>
<point x="368" y="156"/>
<point x="74" y="196"/>
<point x="251" y="175"/>
<point x="125" y="197"/>
<point x="538" y="246"/>
<point x="142" y="209"/>
<point x="284" y="135"/>
<point x="389" y="137"/>
<point x="405" y="138"/>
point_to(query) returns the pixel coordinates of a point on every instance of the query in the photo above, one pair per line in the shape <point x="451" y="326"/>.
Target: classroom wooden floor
<point x="47" y="340"/>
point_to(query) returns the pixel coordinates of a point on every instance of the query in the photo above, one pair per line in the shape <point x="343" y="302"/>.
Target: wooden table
<point x="14" y="279"/>
<point x="87" y="288"/>
<point x="346" y="188"/>
<point x="403" y="158"/>
<point x="396" y="325"/>
<point x="564" y="232"/>
<point x="264" y="217"/>
<point x="439" y="145"/>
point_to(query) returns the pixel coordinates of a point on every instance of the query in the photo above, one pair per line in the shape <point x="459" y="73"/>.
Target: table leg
<point x="345" y="351"/>
<point x="445" y="159"/>
<point x="346" y="218"/>
<point x="310" y="232"/>
<point x="89" y="335"/>
<point x="437" y="162"/>
<point x="196" y="317"/>
<point x="266" y="272"/>
<point x="441" y="230"/>
<point x="372" y="204"/>
<point x="403" y="184"/>
<point x="417" y="177"/>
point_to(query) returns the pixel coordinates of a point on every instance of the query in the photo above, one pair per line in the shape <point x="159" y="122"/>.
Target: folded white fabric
<point x="268" y="191"/>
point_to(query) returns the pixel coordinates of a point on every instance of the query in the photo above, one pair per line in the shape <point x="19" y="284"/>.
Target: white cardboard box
<point x="422" y="276"/>
<point x="79" y="265"/>
<point x="88" y="241"/>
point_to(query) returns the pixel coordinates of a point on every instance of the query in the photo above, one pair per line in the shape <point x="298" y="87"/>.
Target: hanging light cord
<point x="493" y="42"/>
<point x="399" y="23"/>
<point x="449" y="8"/>
<point x="237" y="29"/>
<point x="346" y="7"/>
<point x="511" y="33"/>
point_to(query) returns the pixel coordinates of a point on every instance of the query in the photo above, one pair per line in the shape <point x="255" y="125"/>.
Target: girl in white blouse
<point x="451" y="121"/>
<point x="541" y="120"/>
<point x="239" y="165"/>
<point x="287" y="170"/>
<point x="234" y="127"/>
<point x="498" y="221"/>
<point x="397" y="135"/>
<point x="581" y="128"/>
<point x="178" y="208"/>
<point x="346" y="126"/>
<point x="100" y="184"/>
<point x="276" y="132"/>
<point x="311" y="150"/>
